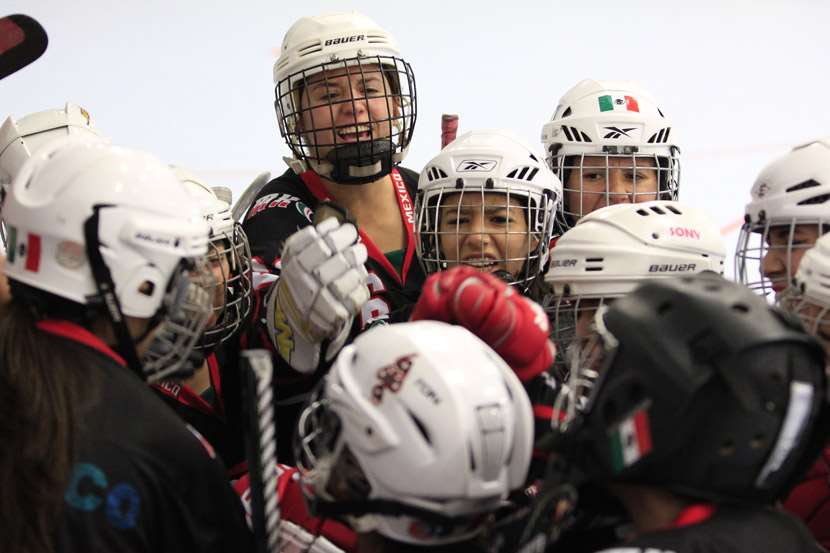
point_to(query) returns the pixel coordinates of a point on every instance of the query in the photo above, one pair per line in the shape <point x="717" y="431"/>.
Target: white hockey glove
<point x="321" y="288"/>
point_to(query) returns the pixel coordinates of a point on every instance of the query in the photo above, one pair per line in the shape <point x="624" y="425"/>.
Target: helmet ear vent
<point x="523" y="173"/>
<point x="312" y="48"/>
<point x="575" y="135"/>
<point x="660" y="137"/>
<point x="434" y="173"/>
<point x="376" y="39"/>
<point x="567" y="112"/>
<point x="420" y="426"/>
<point x="815" y="200"/>
<point x="802" y="185"/>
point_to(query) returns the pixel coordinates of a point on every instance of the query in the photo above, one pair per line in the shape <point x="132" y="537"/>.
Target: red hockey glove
<point x="515" y="327"/>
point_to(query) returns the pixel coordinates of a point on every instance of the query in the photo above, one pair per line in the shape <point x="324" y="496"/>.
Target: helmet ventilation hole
<point x="727" y="448"/>
<point x="758" y="441"/>
<point x="802" y="185"/>
<point x="421" y="428"/>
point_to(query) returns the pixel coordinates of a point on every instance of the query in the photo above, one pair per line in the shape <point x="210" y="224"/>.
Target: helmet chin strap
<point x="106" y="292"/>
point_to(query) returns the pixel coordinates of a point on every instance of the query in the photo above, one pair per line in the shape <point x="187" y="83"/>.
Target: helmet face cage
<point x="565" y="312"/>
<point x="449" y="218"/>
<point x="318" y="432"/>
<point x="383" y="85"/>
<point x="229" y="256"/>
<point x="647" y="178"/>
<point x="764" y="242"/>
<point x="184" y="312"/>
<point x="814" y="315"/>
<point x="587" y="358"/>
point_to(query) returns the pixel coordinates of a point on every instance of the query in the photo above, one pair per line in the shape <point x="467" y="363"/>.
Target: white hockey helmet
<point x="316" y="49"/>
<point x="399" y="440"/>
<point x="20" y="139"/>
<point x="229" y="257"/>
<point x="611" y="251"/>
<point x="112" y="229"/>
<point x="612" y="124"/>
<point x="790" y="208"/>
<point x="809" y="295"/>
<point x="479" y="164"/>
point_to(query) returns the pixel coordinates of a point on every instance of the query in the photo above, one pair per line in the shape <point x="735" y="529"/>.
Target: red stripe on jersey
<point x="315" y="185"/>
<point x="79" y="334"/>
<point x="694" y="514"/>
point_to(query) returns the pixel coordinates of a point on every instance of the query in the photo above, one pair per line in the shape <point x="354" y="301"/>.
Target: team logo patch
<point x="616" y="132"/>
<point x="392" y="377"/>
<point x="473" y="165"/>
<point x="29" y="251"/>
<point x="618" y="103"/>
<point x="630" y="440"/>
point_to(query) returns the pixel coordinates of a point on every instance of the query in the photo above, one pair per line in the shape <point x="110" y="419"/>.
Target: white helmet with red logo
<point x="352" y="149"/>
<point x="613" y="250"/>
<point x="397" y="439"/>
<point x="619" y="123"/>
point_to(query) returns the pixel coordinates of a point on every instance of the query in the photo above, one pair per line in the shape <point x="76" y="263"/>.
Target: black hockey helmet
<point x="698" y="386"/>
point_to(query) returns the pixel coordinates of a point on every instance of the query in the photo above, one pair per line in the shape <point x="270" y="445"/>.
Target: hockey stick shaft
<point x="257" y="371"/>
<point x="449" y="128"/>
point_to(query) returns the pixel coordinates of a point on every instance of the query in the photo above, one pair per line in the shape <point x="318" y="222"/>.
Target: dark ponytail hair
<point x="43" y="386"/>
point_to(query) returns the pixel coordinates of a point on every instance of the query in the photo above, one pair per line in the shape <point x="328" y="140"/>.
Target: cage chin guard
<point x="362" y="162"/>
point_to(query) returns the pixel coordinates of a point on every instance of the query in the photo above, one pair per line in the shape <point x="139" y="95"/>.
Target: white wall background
<point x="190" y="80"/>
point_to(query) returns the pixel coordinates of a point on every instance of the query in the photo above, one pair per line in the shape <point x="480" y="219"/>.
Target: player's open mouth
<point x="354" y="133"/>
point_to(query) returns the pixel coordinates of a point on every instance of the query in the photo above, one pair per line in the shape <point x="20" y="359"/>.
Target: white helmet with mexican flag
<point x="604" y="120"/>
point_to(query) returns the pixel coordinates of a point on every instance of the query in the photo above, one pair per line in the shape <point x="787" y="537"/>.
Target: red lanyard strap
<point x="407" y="211"/>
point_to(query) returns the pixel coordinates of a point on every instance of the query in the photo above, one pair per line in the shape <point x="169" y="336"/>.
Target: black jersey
<point x="216" y="418"/>
<point x="727" y="530"/>
<point x="141" y="480"/>
<point x="287" y="204"/>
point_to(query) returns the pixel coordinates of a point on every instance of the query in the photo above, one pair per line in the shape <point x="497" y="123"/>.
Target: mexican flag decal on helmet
<point x="31" y="251"/>
<point x="631" y="439"/>
<point x="617" y="103"/>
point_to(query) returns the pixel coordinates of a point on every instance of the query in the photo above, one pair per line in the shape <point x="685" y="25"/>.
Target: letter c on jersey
<point x="87" y="491"/>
